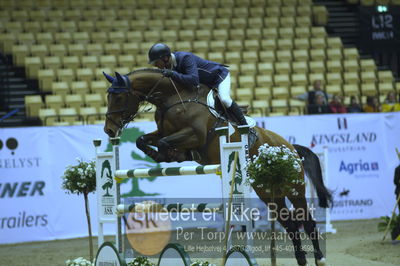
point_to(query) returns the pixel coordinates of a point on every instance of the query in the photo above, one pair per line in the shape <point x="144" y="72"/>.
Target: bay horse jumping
<point x="185" y="125"/>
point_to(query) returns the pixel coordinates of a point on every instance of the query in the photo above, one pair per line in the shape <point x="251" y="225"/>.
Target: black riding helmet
<point x="158" y="51"/>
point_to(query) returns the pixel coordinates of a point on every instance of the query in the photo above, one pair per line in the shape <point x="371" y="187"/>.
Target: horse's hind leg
<point x="305" y="217"/>
<point x="291" y="228"/>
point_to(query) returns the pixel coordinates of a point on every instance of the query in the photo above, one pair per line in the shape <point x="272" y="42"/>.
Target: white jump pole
<point x="170" y="171"/>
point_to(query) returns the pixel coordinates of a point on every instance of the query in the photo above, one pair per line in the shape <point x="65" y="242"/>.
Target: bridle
<point x="125" y="118"/>
<point x="142" y="97"/>
<point x="126" y="89"/>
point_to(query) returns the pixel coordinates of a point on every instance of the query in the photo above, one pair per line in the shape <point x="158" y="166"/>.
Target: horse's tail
<point x="313" y="170"/>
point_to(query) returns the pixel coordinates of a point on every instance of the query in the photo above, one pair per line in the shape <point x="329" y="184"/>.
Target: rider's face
<point x="162" y="63"/>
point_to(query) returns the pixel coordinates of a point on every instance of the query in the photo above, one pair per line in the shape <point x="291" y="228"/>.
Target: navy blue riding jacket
<point x="192" y="70"/>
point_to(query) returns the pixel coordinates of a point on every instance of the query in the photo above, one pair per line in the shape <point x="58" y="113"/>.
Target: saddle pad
<point x="211" y="107"/>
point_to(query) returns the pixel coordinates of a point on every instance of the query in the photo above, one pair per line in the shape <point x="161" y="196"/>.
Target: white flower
<point x="260" y="168"/>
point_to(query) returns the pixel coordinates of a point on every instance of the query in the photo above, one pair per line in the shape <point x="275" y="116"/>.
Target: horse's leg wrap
<point x="142" y="144"/>
<point x="177" y="146"/>
<point x="163" y="146"/>
<point x="173" y="154"/>
<point x="188" y="156"/>
<point x="165" y="150"/>
<point x="310" y="226"/>
<point x="278" y="206"/>
<point x="292" y="228"/>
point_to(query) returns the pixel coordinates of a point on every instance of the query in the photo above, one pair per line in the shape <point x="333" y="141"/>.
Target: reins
<point x="146" y="97"/>
<point x="195" y="100"/>
<point x="177" y="92"/>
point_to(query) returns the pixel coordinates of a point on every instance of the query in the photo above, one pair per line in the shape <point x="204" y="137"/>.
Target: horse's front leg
<point x="178" y="145"/>
<point x="145" y="143"/>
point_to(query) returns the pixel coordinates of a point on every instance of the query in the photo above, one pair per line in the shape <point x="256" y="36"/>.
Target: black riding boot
<point x="237" y="113"/>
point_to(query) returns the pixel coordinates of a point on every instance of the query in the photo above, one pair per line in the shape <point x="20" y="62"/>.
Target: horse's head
<point x="122" y="105"/>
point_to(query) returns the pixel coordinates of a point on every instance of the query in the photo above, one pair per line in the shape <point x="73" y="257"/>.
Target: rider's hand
<point x="167" y="73"/>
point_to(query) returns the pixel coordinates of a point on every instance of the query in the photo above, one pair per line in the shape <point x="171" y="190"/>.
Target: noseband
<point x="126" y="89"/>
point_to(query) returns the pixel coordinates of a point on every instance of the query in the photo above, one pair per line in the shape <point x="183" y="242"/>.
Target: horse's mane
<point x="151" y="70"/>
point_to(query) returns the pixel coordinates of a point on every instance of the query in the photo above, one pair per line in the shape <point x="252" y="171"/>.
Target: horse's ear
<point x="108" y="77"/>
<point x="119" y="78"/>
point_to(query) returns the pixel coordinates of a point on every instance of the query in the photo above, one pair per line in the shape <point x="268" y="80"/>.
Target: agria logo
<point x="359" y="166"/>
<point x="10" y="144"/>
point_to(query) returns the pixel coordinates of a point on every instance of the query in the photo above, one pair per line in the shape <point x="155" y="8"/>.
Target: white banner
<point x="362" y="157"/>
<point x="361" y="166"/>
<point x="33" y="205"/>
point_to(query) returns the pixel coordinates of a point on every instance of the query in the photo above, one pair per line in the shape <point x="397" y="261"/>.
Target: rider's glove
<point x="167" y="73"/>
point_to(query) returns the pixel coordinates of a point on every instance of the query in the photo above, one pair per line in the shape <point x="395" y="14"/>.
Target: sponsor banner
<point x="34" y="207"/>
<point x="361" y="157"/>
<point x="24" y="185"/>
<point x="32" y="161"/>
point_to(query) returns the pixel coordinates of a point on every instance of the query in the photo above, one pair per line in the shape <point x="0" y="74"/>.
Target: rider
<point x="191" y="70"/>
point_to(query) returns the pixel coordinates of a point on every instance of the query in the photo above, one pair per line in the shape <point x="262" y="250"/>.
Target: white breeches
<point x="224" y="91"/>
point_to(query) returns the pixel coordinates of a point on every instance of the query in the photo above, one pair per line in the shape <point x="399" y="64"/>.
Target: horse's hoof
<point x="320" y="262"/>
<point x="302" y="262"/>
<point x="301" y="257"/>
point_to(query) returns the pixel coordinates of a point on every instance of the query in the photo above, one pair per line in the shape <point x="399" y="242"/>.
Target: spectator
<point x="336" y="105"/>
<point x="319" y="106"/>
<point x="310" y="95"/>
<point x="372" y="105"/>
<point x="390" y="104"/>
<point x="354" y="106"/>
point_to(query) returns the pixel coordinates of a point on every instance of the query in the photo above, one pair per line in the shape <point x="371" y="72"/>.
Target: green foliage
<point x="80" y="178"/>
<point x="140" y="261"/>
<point x="385" y="221"/>
<point x="79" y="262"/>
<point x="201" y="263"/>
<point x="275" y="167"/>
